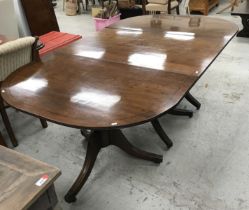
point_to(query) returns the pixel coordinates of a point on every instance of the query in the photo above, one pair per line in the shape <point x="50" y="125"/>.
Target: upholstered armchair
<point x="158" y="6"/>
<point x="13" y="55"/>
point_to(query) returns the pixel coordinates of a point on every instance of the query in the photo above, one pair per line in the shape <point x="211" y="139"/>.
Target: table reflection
<point x="149" y="60"/>
<point x="183" y="36"/>
<point x="32" y="84"/>
<point x="95" y="99"/>
<point x="97" y="54"/>
<point x="126" y="32"/>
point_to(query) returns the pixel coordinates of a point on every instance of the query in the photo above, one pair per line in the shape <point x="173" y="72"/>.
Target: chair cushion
<point x="156" y="7"/>
<point x="16" y="45"/>
<point x="158" y="1"/>
<point x="160" y="7"/>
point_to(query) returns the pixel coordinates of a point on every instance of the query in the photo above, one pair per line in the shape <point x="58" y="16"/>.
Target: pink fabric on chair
<point x="55" y="39"/>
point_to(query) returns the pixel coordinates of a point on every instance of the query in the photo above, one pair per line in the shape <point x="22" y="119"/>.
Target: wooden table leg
<point x="163" y="136"/>
<point x="191" y="99"/>
<point x="175" y="111"/>
<point x="43" y="123"/>
<point x="7" y="123"/>
<point x="117" y="138"/>
<point x="93" y="148"/>
<point x="180" y="112"/>
<point x="85" y="132"/>
<point x="98" y="140"/>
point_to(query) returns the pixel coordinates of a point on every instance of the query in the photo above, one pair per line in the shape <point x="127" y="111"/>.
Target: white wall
<point x="22" y="22"/>
<point x="8" y="21"/>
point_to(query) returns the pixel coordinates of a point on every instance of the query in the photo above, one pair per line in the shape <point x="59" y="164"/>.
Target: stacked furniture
<point x="202" y="6"/>
<point x="165" y="6"/>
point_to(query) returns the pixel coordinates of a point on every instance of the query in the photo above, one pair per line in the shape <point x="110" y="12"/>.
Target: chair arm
<point x="15" y="54"/>
<point x="16" y="45"/>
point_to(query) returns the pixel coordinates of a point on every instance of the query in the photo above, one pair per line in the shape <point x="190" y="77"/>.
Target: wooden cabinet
<point x="202" y="6"/>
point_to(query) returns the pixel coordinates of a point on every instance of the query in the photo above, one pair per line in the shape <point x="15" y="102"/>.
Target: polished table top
<point x="127" y="74"/>
<point x="173" y="46"/>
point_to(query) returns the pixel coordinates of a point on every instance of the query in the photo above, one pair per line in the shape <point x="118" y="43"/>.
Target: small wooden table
<point x="26" y="183"/>
<point x="243" y="11"/>
<point x="128" y="74"/>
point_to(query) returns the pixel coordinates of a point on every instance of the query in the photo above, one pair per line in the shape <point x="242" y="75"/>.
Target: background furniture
<point x="14" y="54"/>
<point x="40" y="16"/>
<point x="130" y="9"/>
<point x="130" y="12"/>
<point x="78" y="3"/>
<point x="243" y="11"/>
<point x="54" y="3"/>
<point x="105" y="88"/>
<point x="46" y="27"/>
<point x="232" y="5"/>
<point x="202" y="6"/>
<point x="26" y="183"/>
<point x="166" y="6"/>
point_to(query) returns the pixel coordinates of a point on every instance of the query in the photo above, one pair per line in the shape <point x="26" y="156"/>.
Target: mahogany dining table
<point x="128" y="74"/>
